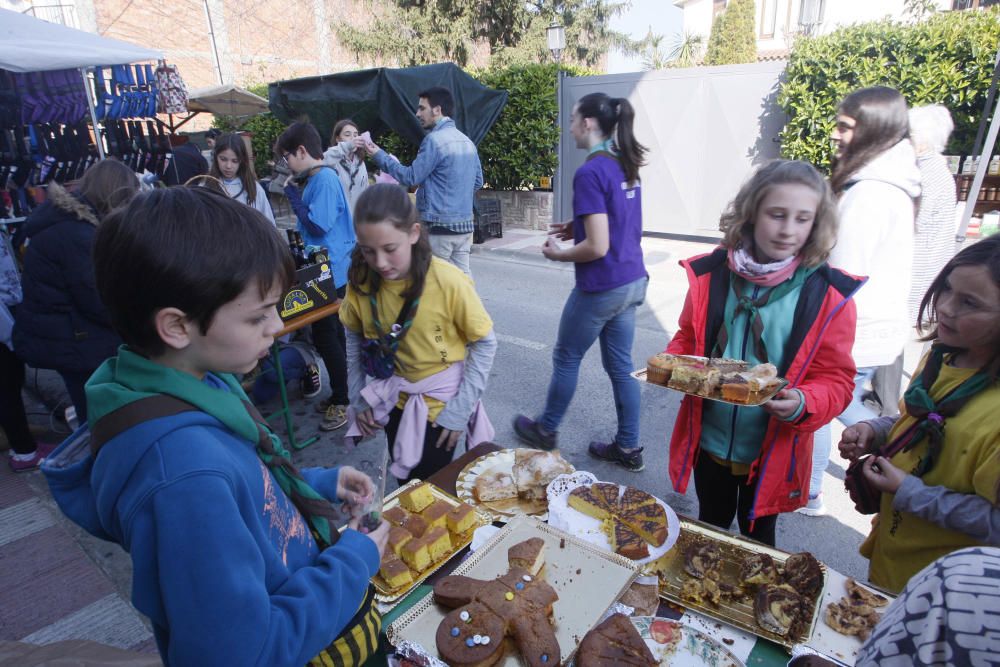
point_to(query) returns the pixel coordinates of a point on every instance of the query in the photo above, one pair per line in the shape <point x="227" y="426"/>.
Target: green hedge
<point x="947" y="59"/>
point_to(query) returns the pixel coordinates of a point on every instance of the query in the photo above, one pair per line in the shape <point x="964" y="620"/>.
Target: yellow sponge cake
<point x="397" y="538"/>
<point x="436" y="515"/>
<point x="461" y="518"/>
<point x="395" y="573"/>
<point x="415" y="554"/>
<point x="397" y="516"/>
<point x="417" y="499"/>
<point x="438" y="543"/>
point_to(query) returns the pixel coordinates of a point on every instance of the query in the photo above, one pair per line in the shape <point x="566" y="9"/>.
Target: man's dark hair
<point x="439" y="97"/>
<point x="186" y="248"/>
<point x="299" y="134"/>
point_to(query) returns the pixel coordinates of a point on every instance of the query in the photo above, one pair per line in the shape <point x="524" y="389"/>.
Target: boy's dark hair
<point x="439" y="97"/>
<point x="186" y="248"/>
<point x="299" y="134"/>
<point x="387" y="202"/>
<point x="213" y="133"/>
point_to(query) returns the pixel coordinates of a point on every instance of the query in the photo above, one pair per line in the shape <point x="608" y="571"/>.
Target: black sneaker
<point x="312" y="382"/>
<point x="534" y="435"/>
<point x="630" y="459"/>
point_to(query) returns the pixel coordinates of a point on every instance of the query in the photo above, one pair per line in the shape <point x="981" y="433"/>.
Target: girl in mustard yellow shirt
<point x="940" y="490"/>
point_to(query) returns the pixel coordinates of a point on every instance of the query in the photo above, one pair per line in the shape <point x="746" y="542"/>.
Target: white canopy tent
<point x="28" y="44"/>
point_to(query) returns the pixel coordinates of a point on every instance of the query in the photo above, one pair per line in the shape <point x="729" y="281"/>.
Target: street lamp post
<point x="556" y="36"/>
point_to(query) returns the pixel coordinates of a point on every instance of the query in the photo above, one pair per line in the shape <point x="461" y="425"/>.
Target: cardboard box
<point x="313" y="288"/>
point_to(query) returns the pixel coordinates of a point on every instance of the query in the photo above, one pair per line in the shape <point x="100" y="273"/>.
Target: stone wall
<point x="527" y="209"/>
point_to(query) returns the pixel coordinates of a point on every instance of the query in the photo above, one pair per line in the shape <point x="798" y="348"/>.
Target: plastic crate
<point x="487" y="220"/>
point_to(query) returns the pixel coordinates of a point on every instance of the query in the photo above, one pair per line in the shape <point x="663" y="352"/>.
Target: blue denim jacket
<point x="448" y="171"/>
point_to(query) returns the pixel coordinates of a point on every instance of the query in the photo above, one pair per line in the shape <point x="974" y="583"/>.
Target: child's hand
<point x="856" y="441"/>
<point x="562" y="230"/>
<point x="366" y="422"/>
<point x="882" y="475"/>
<point x="380" y="536"/>
<point x="448" y="439"/>
<point x="354" y="487"/>
<point x="784" y="404"/>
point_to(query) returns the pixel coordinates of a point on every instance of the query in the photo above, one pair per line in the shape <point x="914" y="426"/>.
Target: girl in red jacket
<point x="765" y="295"/>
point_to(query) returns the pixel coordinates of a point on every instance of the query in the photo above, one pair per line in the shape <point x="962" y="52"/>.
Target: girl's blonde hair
<point x="737" y="220"/>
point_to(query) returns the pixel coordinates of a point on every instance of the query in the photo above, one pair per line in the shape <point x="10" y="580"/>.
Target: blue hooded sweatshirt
<point x="224" y="565"/>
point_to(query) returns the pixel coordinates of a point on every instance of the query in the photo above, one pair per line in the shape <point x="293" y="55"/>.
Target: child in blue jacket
<point x="229" y="541"/>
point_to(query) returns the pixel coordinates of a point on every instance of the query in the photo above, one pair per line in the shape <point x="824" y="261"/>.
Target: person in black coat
<point x="61" y="323"/>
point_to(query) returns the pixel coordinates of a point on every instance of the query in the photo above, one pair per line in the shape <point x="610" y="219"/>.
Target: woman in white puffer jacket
<point x="876" y="180"/>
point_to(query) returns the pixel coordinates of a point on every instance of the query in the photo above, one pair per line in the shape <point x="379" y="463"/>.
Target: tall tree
<point x="733" y="37"/>
<point x="414" y="32"/>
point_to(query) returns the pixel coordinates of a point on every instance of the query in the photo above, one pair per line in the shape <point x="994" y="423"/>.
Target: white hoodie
<point x="876" y="240"/>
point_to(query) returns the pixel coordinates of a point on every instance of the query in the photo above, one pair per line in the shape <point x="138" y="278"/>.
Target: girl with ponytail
<point x="610" y="276"/>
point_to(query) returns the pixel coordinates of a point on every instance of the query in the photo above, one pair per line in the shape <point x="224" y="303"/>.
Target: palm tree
<point x="687" y="50"/>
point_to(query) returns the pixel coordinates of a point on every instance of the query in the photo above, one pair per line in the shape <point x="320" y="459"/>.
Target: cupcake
<point x="659" y="368"/>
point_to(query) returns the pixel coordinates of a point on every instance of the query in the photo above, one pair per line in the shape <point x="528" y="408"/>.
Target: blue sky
<point x="662" y="15"/>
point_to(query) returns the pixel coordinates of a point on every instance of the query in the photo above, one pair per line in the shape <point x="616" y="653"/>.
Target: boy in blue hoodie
<point x="236" y="560"/>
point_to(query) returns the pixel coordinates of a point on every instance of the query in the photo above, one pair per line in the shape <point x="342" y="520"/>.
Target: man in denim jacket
<point x="448" y="171"/>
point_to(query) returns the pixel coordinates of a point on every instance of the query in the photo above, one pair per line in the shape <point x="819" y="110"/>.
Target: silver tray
<point x="755" y="398"/>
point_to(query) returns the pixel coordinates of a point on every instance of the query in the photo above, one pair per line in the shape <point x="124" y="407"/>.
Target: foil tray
<point x="572" y="566"/>
<point x="755" y="398"/>
<point x="383" y="593"/>
<point x="734" y="549"/>
<point x="502" y="460"/>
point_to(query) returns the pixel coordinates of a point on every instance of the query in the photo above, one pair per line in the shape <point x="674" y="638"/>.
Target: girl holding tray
<point x="938" y="477"/>
<point x="416" y="326"/>
<point x="766" y="295"/>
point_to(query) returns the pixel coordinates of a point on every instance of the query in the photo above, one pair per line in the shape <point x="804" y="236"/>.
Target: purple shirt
<point x="599" y="187"/>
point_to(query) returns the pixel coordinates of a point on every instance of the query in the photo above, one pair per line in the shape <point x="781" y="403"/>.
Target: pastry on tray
<point x="614" y="642"/>
<point x="695" y="379"/>
<point x="803" y="572"/>
<point x="728" y="365"/>
<point x="528" y="555"/>
<point x="779" y="609"/>
<point x="417" y="498"/>
<point x="625" y="541"/>
<point x="395" y="573"/>
<point x="702" y="558"/>
<point x="436" y="514"/>
<point x="491" y="487"/>
<point x="631" y="518"/>
<point x="533" y="470"/>
<point x="461" y="518"/>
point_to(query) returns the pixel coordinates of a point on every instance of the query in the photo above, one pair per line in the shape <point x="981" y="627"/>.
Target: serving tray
<point x="738" y="613"/>
<point x="755" y="398"/>
<point x="383" y="593"/>
<point x="572" y="567"/>
<point x="498" y="461"/>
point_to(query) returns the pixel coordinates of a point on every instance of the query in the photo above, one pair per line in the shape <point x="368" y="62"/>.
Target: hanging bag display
<point x="172" y="93"/>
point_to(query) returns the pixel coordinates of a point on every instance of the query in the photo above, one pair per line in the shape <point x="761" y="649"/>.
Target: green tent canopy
<point x="384" y="98"/>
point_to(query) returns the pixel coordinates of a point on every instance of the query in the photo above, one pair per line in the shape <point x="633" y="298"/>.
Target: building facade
<point x="779" y="21"/>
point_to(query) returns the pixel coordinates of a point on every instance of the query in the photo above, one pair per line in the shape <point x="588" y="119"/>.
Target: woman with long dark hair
<point x="876" y="181"/>
<point x="610" y="276"/>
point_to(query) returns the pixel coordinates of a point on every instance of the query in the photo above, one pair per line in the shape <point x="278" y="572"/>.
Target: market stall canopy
<point x="383" y="98"/>
<point x="227" y="100"/>
<point x="28" y="44"/>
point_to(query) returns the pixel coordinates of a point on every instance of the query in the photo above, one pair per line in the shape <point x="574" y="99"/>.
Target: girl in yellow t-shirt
<point x="419" y="333"/>
<point x="941" y="487"/>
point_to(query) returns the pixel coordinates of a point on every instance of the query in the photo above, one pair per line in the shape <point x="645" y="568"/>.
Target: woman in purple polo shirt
<point x="610" y="276"/>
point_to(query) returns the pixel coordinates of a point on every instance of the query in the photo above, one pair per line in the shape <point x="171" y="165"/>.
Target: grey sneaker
<point x="815" y="507"/>
<point x="335" y="417"/>
<point x="533" y="435"/>
<point x="630" y="459"/>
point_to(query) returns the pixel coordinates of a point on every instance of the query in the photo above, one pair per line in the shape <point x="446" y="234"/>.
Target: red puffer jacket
<point x="817" y="362"/>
